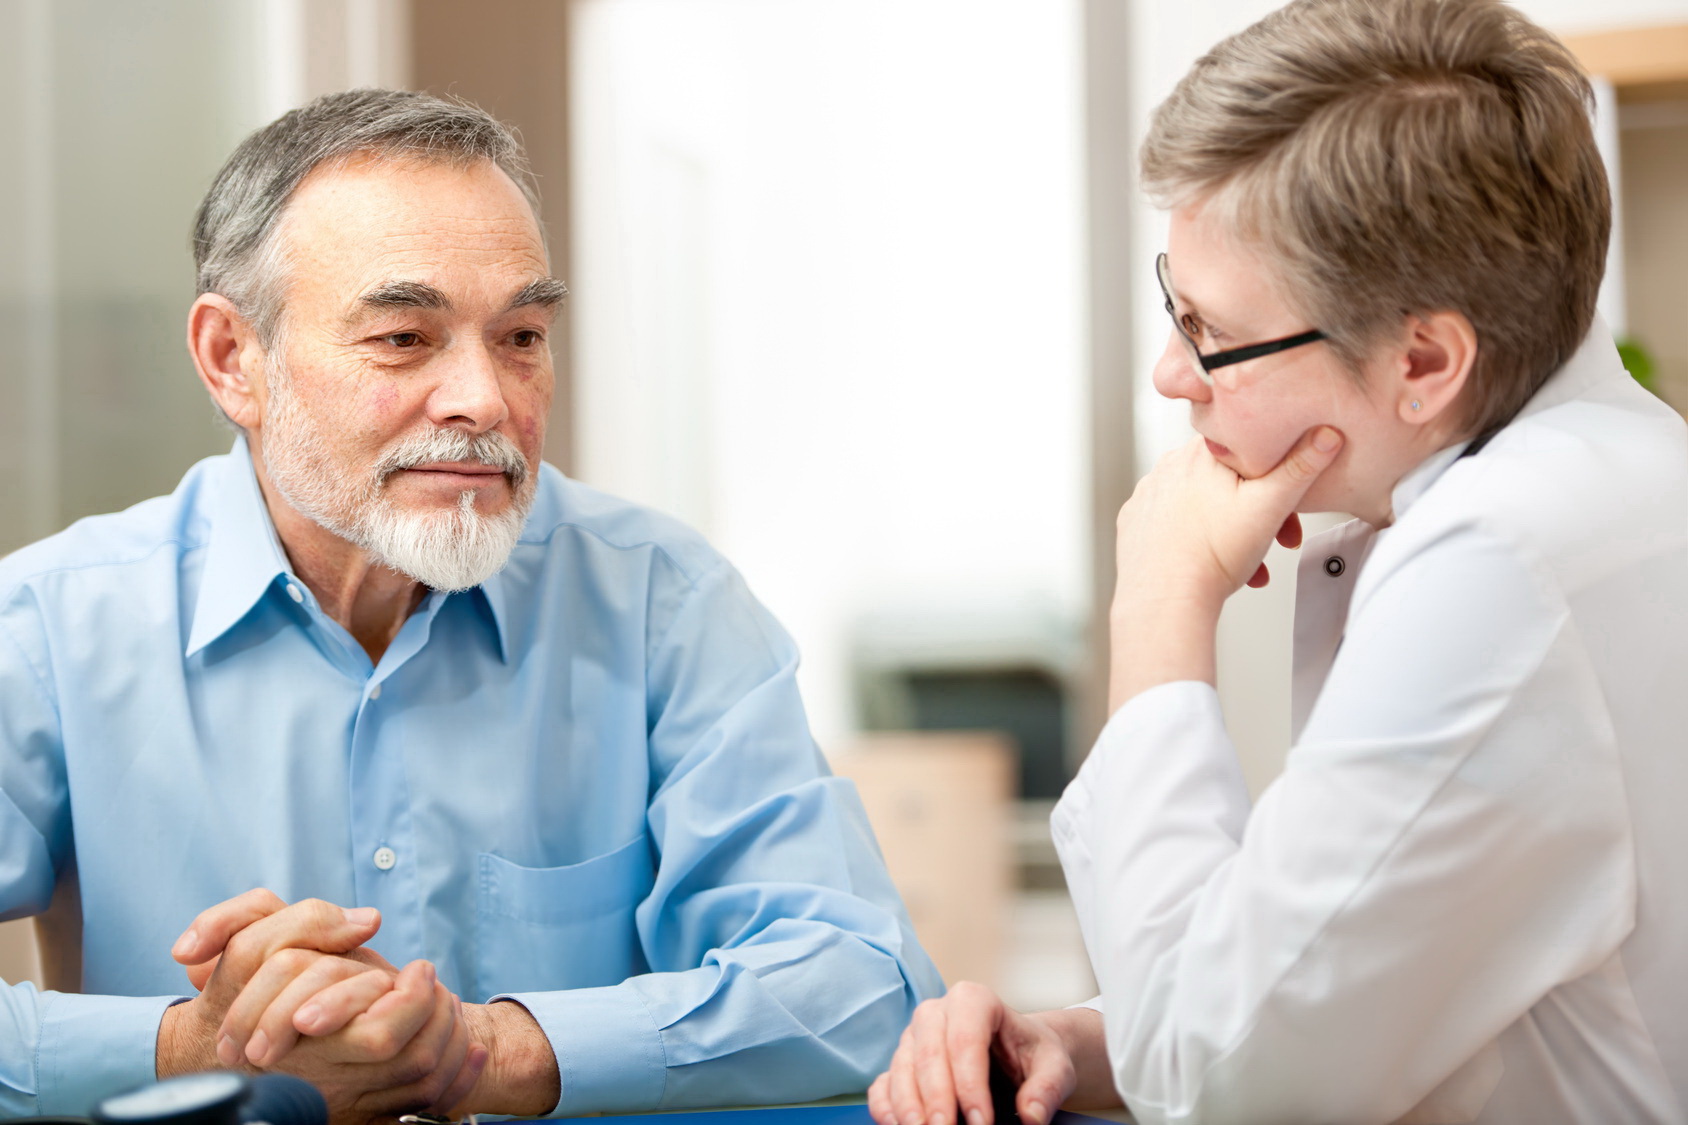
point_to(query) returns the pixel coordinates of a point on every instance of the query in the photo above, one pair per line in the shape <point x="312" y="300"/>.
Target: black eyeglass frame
<point x="1209" y="362"/>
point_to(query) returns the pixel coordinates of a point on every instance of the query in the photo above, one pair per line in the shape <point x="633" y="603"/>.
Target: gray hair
<point x="235" y="249"/>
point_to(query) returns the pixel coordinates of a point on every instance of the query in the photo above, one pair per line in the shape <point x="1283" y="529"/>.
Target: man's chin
<point x="442" y="546"/>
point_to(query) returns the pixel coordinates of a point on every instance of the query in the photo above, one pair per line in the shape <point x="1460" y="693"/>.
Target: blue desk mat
<point x="785" y="1115"/>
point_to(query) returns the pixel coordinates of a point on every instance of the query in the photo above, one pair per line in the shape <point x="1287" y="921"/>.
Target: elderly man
<point x="536" y="744"/>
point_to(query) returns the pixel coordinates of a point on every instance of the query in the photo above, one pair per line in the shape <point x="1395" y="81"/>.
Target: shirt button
<point x="385" y="858"/>
<point x="295" y="593"/>
<point x="1334" y="566"/>
<point x="375" y="692"/>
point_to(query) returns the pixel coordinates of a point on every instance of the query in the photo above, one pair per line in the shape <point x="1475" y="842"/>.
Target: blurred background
<point x="861" y="288"/>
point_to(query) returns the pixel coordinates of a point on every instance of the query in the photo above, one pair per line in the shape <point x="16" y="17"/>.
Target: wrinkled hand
<point x="943" y="1062"/>
<point x="378" y="1040"/>
<point x="1195" y="529"/>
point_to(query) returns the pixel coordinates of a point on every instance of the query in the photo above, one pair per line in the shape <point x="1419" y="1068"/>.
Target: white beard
<point x="451" y="549"/>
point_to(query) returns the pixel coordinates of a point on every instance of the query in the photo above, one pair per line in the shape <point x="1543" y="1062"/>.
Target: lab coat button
<point x="374" y="692"/>
<point x="385" y="858"/>
<point x="1334" y="566"/>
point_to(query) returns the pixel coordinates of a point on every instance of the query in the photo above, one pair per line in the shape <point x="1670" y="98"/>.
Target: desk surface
<point x="838" y="1111"/>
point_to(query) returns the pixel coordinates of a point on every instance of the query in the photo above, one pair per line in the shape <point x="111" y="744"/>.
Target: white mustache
<point x="491" y="449"/>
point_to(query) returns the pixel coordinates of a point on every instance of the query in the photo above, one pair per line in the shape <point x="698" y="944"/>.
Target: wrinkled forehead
<point x="467" y="231"/>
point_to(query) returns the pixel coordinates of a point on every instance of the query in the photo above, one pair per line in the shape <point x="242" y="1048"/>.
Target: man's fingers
<point x="199" y="975"/>
<point x="450" y="1103"/>
<point x="333" y="1007"/>
<point x="454" y="1059"/>
<point x="426" y="1063"/>
<point x="369" y="957"/>
<point x="382" y="1032"/>
<point x="207" y="934"/>
<point x="308" y="924"/>
<point x="238" y="1039"/>
<point x="348" y="986"/>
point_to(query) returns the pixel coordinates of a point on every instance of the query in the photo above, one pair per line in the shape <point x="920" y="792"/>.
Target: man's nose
<point x="470" y="393"/>
<point x="1175" y="373"/>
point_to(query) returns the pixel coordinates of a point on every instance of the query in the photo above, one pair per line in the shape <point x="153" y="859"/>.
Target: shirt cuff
<point x="92" y="1047"/>
<point x="609" y="1049"/>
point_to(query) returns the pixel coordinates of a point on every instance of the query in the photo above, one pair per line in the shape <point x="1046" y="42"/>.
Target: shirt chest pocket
<point x="541" y="929"/>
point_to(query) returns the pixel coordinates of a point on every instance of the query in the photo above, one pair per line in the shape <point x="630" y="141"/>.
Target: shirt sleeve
<point x="1449" y="841"/>
<point x="59" y="1052"/>
<point x="783" y="964"/>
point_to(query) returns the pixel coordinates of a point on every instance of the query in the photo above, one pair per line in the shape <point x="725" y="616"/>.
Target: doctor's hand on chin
<point x="1193" y="533"/>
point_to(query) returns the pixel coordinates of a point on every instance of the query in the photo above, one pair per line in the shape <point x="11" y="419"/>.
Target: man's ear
<point x="228" y="357"/>
<point x="1441" y="350"/>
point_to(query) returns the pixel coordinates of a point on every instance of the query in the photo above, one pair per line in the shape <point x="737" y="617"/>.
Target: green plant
<point x="1638" y="361"/>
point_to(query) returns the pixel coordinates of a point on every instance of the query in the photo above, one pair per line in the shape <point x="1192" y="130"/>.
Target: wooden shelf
<point x="1644" y="63"/>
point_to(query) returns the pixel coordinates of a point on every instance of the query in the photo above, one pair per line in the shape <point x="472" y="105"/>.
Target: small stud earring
<point x="1416" y="404"/>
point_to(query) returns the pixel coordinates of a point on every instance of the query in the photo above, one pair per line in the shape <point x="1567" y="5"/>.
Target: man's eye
<point x="403" y="339"/>
<point x="528" y="338"/>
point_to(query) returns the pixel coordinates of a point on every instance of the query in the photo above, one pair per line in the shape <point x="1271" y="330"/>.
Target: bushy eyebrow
<point x="402" y="295"/>
<point x="544" y="291"/>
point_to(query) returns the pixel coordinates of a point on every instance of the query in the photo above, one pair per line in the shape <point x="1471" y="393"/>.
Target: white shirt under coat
<point x="1466" y="898"/>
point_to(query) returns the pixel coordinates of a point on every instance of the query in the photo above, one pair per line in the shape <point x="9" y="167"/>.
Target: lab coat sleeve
<point x="783" y="964"/>
<point x="59" y="1052"/>
<point x="1448" y="842"/>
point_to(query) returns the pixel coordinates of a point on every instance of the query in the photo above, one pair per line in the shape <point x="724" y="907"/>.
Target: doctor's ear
<point x="1440" y="351"/>
<point x="228" y="356"/>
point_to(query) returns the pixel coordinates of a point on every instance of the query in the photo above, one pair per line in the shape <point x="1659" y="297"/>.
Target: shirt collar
<point x="1594" y="361"/>
<point x="245" y="557"/>
<point x="496" y="599"/>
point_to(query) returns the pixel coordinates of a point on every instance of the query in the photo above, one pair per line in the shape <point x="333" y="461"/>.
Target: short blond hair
<point x="1404" y="156"/>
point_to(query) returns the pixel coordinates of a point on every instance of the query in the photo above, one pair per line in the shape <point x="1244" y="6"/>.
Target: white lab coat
<point x="1466" y="898"/>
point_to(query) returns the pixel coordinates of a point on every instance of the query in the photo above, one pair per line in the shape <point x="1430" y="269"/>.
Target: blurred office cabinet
<point x="940" y="804"/>
<point x="1016" y="670"/>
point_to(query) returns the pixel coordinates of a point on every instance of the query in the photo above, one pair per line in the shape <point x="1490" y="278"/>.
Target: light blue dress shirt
<point x="587" y="784"/>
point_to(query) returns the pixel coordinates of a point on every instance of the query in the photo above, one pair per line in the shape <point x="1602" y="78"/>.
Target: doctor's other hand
<point x="940" y="1074"/>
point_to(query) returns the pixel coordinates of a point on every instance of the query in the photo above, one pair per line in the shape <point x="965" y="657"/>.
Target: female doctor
<point x="1466" y="898"/>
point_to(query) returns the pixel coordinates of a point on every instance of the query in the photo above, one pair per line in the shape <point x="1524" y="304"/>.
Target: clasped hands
<point x="294" y="988"/>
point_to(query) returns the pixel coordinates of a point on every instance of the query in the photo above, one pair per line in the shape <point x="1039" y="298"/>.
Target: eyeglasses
<point x="1207" y="362"/>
